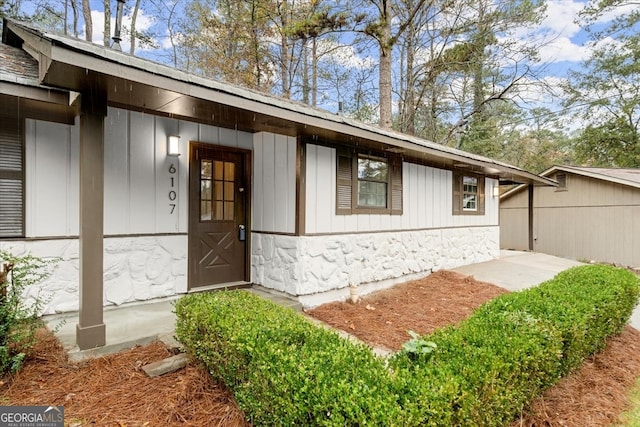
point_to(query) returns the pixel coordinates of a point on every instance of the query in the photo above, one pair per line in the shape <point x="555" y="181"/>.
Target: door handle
<point x="242" y="233"/>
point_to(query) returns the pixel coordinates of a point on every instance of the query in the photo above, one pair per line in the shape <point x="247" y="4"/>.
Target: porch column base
<point x="88" y="337"/>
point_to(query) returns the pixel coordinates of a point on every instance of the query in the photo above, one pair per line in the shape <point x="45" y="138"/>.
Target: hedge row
<point x="515" y="347"/>
<point x="283" y="370"/>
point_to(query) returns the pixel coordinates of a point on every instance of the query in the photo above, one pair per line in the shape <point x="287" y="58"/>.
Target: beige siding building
<point x="594" y="214"/>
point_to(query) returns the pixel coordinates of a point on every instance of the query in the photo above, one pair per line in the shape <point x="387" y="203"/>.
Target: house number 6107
<point x="172" y="193"/>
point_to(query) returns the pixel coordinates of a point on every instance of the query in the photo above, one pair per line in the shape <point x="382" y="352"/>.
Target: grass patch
<point x="631" y="418"/>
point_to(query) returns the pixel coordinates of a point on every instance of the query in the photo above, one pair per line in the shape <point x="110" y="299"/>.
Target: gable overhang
<point x="576" y="171"/>
<point x="141" y="85"/>
<point x="28" y="98"/>
<point x="590" y="174"/>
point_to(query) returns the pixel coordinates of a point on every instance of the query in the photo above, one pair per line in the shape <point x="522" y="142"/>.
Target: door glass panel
<point x="205" y="211"/>
<point x="205" y="169"/>
<point x="217" y="190"/>
<point x="218" y="211"/>
<point x="228" y="191"/>
<point x="205" y="190"/>
<point x="229" y="171"/>
<point x="218" y="170"/>
<point x="228" y="211"/>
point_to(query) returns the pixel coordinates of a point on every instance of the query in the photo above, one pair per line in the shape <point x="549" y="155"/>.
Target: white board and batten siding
<point x="145" y="251"/>
<point x="274" y="183"/>
<point x="427" y="200"/>
<point x="51" y="179"/>
<point x="138" y="185"/>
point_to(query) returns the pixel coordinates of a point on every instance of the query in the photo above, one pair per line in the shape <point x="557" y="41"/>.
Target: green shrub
<point x="586" y="304"/>
<point x="489" y="367"/>
<point x="483" y="372"/>
<point x="282" y="369"/>
<point x="18" y="320"/>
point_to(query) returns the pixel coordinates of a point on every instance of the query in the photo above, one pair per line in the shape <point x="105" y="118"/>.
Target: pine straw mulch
<point x="114" y="391"/>
<point x="593" y="396"/>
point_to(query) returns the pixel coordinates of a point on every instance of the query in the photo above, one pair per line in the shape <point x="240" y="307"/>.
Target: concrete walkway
<point x="142" y="323"/>
<point x="136" y="324"/>
<point x="126" y="327"/>
<point x="516" y="270"/>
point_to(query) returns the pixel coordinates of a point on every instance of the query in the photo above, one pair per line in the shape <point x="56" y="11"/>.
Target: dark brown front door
<point x="217" y="215"/>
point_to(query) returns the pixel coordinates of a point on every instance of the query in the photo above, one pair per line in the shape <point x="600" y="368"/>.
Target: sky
<point x="566" y="42"/>
<point x="566" y="48"/>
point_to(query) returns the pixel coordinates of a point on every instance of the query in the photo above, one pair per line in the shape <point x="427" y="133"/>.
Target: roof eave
<point x="59" y="56"/>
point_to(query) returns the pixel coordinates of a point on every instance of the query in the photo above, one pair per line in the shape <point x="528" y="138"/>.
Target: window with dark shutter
<point x="368" y="184"/>
<point x="468" y="194"/>
<point x="11" y="178"/>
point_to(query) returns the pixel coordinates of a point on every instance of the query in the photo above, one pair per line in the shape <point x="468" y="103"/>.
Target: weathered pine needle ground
<point x="113" y="390"/>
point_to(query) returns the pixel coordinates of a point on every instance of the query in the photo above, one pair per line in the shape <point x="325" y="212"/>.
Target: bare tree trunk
<point x="284" y="51"/>
<point x="409" y="123"/>
<point x="66" y="18"/>
<point x="255" y="38"/>
<point x="88" y="24"/>
<point x="134" y="17"/>
<point x="106" y="37"/>
<point x="74" y="9"/>
<point x="305" y="72"/>
<point x="174" y="48"/>
<point x="314" y="72"/>
<point x="386" y="120"/>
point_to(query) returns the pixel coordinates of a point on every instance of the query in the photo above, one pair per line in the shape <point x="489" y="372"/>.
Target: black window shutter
<point x="481" y="195"/>
<point x="457" y="193"/>
<point x="396" y="185"/>
<point x="11" y="178"/>
<point x="344" y="183"/>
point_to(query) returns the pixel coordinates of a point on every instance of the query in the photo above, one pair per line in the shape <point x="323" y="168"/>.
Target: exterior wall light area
<point x="496" y="191"/>
<point x="173" y="146"/>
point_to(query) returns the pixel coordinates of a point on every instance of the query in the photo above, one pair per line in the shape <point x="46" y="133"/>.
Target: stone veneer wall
<point x="135" y="269"/>
<point x="143" y="268"/>
<point x="314" y="264"/>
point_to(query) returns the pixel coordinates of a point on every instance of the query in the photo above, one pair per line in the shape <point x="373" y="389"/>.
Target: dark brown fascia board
<point x="29" y="103"/>
<point x="36" y="93"/>
<point x="108" y="62"/>
<point x="522" y="186"/>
